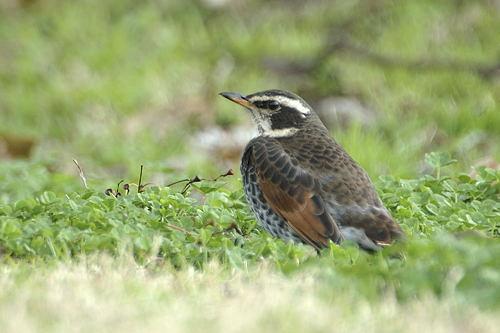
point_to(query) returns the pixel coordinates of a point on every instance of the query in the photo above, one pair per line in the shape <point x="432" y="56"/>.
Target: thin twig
<point x="81" y="174"/>
<point x="229" y="172"/>
<point x="197" y="179"/>
<point x="118" y="186"/>
<point x="139" y="187"/>
<point x="233" y="226"/>
<point x="177" y="182"/>
<point x="180" y="229"/>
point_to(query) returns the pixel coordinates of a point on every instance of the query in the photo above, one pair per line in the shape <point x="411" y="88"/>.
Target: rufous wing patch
<point x="304" y="212"/>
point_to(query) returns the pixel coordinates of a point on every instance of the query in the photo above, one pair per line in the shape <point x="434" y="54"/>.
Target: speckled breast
<point x="267" y="218"/>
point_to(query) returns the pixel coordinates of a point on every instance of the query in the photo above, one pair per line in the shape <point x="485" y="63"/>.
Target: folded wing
<point x="294" y="194"/>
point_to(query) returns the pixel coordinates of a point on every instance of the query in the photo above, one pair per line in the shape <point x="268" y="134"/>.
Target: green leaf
<point x="439" y="159"/>
<point x="47" y="197"/>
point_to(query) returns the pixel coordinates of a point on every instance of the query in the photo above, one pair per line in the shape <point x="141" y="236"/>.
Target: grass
<point x="92" y="91"/>
<point x="121" y="83"/>
<point x="108" y="295"/>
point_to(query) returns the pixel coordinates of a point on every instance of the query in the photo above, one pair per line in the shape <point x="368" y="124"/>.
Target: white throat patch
<point x="265" y="128"/>
<point x="281" y="133"/>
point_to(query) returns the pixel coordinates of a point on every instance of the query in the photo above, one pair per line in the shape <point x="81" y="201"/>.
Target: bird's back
<point x="346" y="188"/>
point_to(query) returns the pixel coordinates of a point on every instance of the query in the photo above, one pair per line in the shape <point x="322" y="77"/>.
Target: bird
<point x="301" y="185"/>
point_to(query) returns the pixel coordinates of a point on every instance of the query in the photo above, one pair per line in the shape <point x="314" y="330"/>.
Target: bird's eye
<point x="273" y="105"/>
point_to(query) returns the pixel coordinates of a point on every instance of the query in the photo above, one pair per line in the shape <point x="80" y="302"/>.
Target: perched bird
<point x="301" y="184"/>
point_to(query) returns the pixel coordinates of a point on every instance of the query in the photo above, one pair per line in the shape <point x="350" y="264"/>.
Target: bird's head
<point x="277" y="113"/>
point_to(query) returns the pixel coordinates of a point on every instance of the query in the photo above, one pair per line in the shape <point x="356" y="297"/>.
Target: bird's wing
<point x="292" y="193"/>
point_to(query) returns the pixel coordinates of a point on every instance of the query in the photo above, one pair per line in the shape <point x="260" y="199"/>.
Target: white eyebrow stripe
<point x="292" y="103"/>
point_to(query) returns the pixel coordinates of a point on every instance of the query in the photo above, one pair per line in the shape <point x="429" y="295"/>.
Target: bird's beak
<point x="237" y="98"/>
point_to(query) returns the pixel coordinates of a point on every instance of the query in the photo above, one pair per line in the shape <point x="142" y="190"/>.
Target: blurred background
<point x="120" y="83"/>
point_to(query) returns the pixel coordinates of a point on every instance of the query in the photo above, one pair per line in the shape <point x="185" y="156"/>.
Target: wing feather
<point x="294" y="194"/>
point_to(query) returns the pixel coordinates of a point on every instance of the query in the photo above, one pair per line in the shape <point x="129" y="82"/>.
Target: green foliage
<point x="22" y="179"/>
<point x="430" y="204"/>
<point x="212" y="223"/>
<point x="437" y="160"/>
<point x="158" y="221"/>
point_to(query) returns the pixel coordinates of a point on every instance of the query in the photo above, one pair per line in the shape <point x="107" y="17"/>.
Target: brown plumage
<point x="301" y="184"/>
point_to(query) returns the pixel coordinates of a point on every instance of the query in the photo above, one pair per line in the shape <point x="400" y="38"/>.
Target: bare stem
<point x="180" y="229"/>
<point x="81" y="174"/>
<point x="139" y="187"/>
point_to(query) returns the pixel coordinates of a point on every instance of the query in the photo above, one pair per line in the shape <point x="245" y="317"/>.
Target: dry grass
<point x="104" y="295"/>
